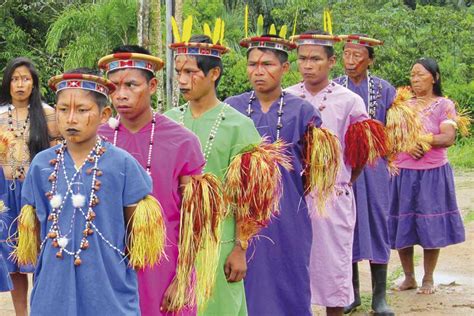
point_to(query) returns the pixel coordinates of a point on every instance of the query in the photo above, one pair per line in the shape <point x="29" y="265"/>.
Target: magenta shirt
<point x="176" y="152"/>
<point x="442" y="110"/>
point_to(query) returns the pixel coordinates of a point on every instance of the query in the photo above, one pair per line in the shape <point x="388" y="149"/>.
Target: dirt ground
<point x="454" y="274"/>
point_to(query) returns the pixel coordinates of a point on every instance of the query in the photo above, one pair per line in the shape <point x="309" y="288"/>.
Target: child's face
<point x="265" y="71"/>
<point x="78" y="115"/>
<point x="192" y="81"/>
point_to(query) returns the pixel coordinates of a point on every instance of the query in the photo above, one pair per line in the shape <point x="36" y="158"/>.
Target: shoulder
<point x="174" y="112"/>
<point x="294" y="89"/>
<point x="106" y="131"/>
<point x="446" y="103"/>
<point x="172" y="131"/>
<point x="340" y="80"/>
<point x="234" y="117"/>
<point x="384" y="84"/>
<point x="43" y="158"/>
<point x="239" y="99"/>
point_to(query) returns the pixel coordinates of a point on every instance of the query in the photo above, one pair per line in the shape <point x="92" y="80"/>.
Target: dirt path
<point x="454" y="274"/>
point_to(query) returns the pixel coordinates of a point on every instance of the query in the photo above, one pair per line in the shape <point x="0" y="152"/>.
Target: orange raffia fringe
<point x="462" y="119"/>
<point x="202" y="211"/>
<point x="146" y="241"/>
<point x="322" y="155"/>
<point x="365" y="142"/>
<point x="253" y="181"/>
<point x="26" y="252"/>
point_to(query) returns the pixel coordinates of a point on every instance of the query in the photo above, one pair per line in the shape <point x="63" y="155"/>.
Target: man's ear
<point x="286" y="66"/>
<point x="214" y="73"/>
<point x="153" y="85"/>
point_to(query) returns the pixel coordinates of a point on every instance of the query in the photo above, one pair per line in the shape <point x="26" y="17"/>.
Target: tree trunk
<point x="156" y="46"/>
<point x="143" y="22"/>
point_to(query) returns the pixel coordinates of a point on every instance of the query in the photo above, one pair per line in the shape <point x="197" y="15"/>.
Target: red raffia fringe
<point x="322" y="159"/>
<point x="365" y="142"/>
<point x="253" y="185"/>
<point x="202" y="211"/>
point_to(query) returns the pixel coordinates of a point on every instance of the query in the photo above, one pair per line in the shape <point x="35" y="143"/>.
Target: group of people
<point x="85" y="214"/>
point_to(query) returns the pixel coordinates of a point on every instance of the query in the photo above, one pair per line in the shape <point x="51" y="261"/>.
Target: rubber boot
<point x="355" y="283"/>
<point x="379" y="289"/>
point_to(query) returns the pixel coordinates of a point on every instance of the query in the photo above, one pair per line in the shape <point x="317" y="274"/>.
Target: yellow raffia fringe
<point x="253" y="181"/>
<point x="323" y="160"/>
<point x="146" y="241"/>
<point x="463" y="121"/>
<point x="26" y="252"/>
<point x="201" y="216"/>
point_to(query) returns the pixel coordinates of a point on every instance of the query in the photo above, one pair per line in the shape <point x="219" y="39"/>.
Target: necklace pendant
<point x="59" y="254"/>
<point x="62" y="242"/>
<point x="77" y="261"/>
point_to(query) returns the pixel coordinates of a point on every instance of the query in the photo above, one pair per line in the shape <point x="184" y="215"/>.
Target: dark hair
<point x="328" y="49"/>
<point x="134" y="49"/>
<point x="39" y="137"/>
<point x="432" y="66"/>
<point x="370" y="49"/>
<point x="206" y="63"/>
<point x="100" y="99"/>
<point x="281" y="55"/>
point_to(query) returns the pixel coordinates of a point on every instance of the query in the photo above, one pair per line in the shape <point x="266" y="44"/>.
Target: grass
<point x="469" y="217"/>
<point x="461" y="155"/>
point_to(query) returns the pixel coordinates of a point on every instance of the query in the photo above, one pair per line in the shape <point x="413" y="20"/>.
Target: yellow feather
<point x="329" y="20"/>
<point x="246" y="21"/>
<point x="187" y="28"/>
<point x="273" y="30"/>
<point x="294" y="23"/>
<point x="325" y="28"/>
<point x="174" y="26"/>
<point x="207" y="30"/>
<point x="260" y="25"/>
<point x="283" y="31"/>
<point x="217" y="31"/>
<point x="221" y="40"/>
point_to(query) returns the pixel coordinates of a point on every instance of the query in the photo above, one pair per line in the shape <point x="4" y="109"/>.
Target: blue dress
<point x="371" y="189"/>
<point x="103" y="284"/>
<point x="277" y="281"/>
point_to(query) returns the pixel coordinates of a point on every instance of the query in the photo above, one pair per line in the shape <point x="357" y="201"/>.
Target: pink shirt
<point x="442" y="110"/>
<point x="176" y="152"/>
<point x="339" y="108"/>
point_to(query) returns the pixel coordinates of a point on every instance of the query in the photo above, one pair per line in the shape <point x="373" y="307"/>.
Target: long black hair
<point x="39" y="136"/>
<point x="432" y="66"/>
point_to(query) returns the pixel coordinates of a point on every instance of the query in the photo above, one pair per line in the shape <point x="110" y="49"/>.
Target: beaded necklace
<point x="215" y="127"/>
<point x="279" y="112"/>
<point x="325" y="92"/>
<point x="57" y="201"/>
<point x="373" y="94"/>
<point x="18" y="170"/>
<point x="150" y="143"/>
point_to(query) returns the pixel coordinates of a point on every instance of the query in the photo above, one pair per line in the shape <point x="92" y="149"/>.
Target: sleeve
<point x="358" y="112"/>
<point x="447" y="113"/>
<point x="246" y="136"/>
<point x="28" y="188"/>
<point x="191" y="154"/>
<point x="309" y="114"/>
<point x="390" y="97"/>
<point x="137" y="182"/>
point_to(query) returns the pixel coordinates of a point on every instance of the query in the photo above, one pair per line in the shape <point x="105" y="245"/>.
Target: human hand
<point x="235" y="267"/>
<point x="168" y="296"/>
<point x="417" y="152"/>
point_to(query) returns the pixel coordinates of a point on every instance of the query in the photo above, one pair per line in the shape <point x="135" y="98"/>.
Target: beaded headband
<point x="81" y="81"/>
<point x="130" y="61"/>
<point x="183" y="46"/>
<point x="315" y="39"/>
<point x="360" y="40"/>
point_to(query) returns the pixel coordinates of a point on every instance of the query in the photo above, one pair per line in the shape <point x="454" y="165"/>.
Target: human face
<point x="21" y="85"/>
<point x="132" y="98"/>
<point x="265" y="71"/>
<point x="421" y="80"/>
<point x="356" y="60"/>
<point x="314" y="64"/>
<point x="192" y="82"/>
<point x="78" y="116"/>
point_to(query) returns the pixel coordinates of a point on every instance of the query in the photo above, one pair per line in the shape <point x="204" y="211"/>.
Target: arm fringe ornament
<point x="146" y="240"/>
<point x="27" y="249"/>
<point x="322" y="155"/>
<point x="202" y="211"/>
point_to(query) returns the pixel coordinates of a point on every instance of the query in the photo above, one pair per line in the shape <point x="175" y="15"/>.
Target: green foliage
<point x="84" y="33"/>
<point x="461" y="155"/>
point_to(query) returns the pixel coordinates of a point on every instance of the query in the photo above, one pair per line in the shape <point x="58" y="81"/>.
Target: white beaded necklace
<point x="279" y="112"/>
<point x="214" y="129"/>
<point x="372" y="94"/>
<point x="59" y="239"/>
<point x="150" y="143"/>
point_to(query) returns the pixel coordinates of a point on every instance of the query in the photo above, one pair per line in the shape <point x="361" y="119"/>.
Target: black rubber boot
<point x="355" y="283"/>
<point x="379" y="288"/>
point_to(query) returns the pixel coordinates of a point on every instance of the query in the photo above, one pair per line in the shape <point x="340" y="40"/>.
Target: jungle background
<point x="62" y="34"/>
